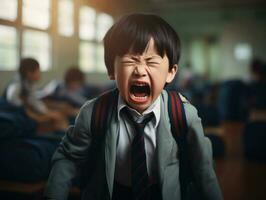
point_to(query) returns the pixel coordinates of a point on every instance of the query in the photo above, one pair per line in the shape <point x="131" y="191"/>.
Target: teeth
<point x="140" y="98"/>
<point x="140" y="84"/>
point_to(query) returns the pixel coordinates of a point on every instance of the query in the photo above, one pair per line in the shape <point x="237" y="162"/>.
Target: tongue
<point x="139" y="94"/>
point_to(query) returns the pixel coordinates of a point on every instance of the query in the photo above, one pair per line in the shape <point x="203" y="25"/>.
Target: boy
<point x="21" y="92"/>
<point x="141" y="55"/>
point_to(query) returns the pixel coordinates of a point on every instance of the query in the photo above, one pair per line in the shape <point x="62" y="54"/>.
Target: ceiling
<point x="118" y="7"/>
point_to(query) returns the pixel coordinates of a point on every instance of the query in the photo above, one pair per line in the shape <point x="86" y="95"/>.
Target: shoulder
<point x="13" y="89"/>
<point x="183" y="98"/>
<point x="85" y="112"/>
<point x="14" y="85"/>
<point x="191" y="112"/>
<point x="87" y="108"/>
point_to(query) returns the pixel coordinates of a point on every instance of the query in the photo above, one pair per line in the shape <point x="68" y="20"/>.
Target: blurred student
<point x="21" y="92"/>
<point x="71" y="90"/>
<point x="257" y="88"/>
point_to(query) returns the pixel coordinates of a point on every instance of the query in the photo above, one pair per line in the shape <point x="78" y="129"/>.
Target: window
<point x="243" y="51"/>
<point x="27" y="34"/>
<point x="65" y="18"/>
<point x="104" y="22"/>
<point x="93" y="26"/>
<point x="100" y="58"/>
<point x="36" y="13"/>
<point x="36" y="44"/>
<point x="91" y="57"/>
<point x="8" y="9"/>
<point x="86" y="56"/>
<point x="28" y="28"/>
<point x="8" y="48"/>
<point x="87" y="23"/>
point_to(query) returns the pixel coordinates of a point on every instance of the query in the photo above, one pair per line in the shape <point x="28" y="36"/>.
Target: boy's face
<point x="141" y="78"/>
<point x="33" y="76"/>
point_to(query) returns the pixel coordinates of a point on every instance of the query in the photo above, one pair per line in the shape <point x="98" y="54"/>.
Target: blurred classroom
<point x="222" y="72"/>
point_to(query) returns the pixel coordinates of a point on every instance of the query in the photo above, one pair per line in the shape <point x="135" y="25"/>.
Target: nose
<point x="140" y="70"/>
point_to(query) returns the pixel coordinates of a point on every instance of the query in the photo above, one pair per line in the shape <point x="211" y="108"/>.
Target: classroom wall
<point x="208" y="37"/>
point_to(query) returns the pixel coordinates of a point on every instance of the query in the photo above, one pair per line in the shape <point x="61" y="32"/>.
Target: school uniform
<point x="75" y="146"/>
<point x="19" y="87"/>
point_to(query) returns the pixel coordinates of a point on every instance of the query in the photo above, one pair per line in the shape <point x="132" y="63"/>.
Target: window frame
<point x="96" y="42"/>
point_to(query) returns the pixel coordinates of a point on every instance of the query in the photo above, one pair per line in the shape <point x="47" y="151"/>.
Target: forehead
<point x="150" y="48"/>
<point x="135" y="37"/>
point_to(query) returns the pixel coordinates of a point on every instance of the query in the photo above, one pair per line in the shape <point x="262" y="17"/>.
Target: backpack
<point x="103" y="110"/>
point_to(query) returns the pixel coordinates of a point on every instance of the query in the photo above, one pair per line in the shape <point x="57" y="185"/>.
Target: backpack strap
<point x="102" y="111"/>
<point x="177" y="114"/>
<point x="179" y="129"/>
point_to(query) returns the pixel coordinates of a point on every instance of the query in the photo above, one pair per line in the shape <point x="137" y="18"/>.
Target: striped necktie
<point x="139" y="173"/>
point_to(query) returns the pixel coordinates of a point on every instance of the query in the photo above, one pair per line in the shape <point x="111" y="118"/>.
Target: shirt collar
<point x="154" y="107"/>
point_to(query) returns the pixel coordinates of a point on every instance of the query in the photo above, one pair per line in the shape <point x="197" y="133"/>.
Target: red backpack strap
<point x="179" y="129"/>
<point x="103" y="108"/>
<point x="176" y="113"/>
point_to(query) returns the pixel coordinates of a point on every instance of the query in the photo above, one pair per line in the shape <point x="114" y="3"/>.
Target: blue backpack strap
<point x="179" y="129"/>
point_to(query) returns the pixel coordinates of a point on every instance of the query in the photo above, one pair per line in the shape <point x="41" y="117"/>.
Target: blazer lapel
<point x="110" y="152"/>
<point x="165" y="141"/>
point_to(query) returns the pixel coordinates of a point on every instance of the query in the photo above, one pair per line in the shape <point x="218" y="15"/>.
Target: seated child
<point x="68" y="95"/>
<point x="141" y="55"/>
<point x="71" y="90"/>
<point x="21" y="92"/>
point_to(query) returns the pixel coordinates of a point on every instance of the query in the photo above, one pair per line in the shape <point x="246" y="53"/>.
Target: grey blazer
<point x="77" y="141"/>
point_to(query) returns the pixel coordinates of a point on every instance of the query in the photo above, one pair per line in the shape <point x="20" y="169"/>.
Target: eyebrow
<point x="153" y="56"/>
<point x="135" y="57"/>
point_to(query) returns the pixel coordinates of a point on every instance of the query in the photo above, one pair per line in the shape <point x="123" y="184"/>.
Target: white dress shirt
<point x="126" y="135"/>
<point x="15" y="89"/>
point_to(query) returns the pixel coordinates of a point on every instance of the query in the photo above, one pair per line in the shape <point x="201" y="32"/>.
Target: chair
<point x="254" y="140"/>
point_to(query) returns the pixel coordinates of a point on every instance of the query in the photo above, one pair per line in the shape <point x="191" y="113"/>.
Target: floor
<point x="239" y="178"/>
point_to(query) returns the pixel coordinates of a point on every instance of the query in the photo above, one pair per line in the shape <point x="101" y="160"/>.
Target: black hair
<point x="28" y="65"/>
<point x="258" y="67"/>
<point x="74" y="74"/>
<point x="133" y="32"/>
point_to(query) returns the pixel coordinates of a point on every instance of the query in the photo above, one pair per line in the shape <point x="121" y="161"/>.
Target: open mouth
<point x="140" y="90"/>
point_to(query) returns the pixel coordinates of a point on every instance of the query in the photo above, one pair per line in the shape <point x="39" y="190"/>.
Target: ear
<point x="171" y="74"/>
<point x="111" y="76"/>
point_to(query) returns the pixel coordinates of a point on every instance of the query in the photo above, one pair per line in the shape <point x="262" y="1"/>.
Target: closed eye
<point x="128" y="62"/>
<point x="126" y="59"/>
<point x="153" y="63"/>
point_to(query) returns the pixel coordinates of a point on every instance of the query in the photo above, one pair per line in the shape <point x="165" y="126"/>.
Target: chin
<point x="139" y="107"/>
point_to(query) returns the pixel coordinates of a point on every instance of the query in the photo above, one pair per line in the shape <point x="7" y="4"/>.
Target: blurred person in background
<point x="68" y="94"/>
<point x="257" y="90"/>
<point x="70" y="90"/>
<point x="21" y="92"/>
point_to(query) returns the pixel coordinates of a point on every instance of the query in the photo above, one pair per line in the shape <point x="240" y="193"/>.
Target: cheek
<point x="121" y="80"/>
<point x="122" y="74"/>
<point x="158" y="82"/>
